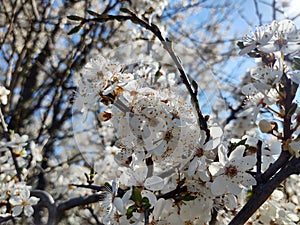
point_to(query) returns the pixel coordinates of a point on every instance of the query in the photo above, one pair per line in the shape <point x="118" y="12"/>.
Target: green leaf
<point x="292" y="109"/>
<point x="188" y="197"/>
<point x="241" y="45"/>
<point x="124" y="10"/>
<point x="99" y="16"/>
<point x="75" y="29"/>
<point x="296" y="64"/>
<point x="146" y="204"/>
<point x="249" y="194"/>
<point x="158" y="74"/>
<point x="74" y="17"/>
<point x="254" y="54"/>
<point x="236" y="144"/>
<point x="136" y="196"/>
<point x="92" y="13"/>
<point x="130" y="210"/>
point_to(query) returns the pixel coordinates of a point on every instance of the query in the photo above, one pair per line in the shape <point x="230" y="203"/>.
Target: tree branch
<point x="79" y="201"/>
<point x="261" y="193"/>
<point x="46" y="201"/>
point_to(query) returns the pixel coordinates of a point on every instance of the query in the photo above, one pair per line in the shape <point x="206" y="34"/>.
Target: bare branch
<point x="46" y="201"/>
<point x="79" y="201"/>
<point x="260" y="194"/>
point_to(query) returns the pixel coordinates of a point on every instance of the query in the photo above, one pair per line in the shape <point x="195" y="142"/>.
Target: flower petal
<point x="248" y="180"/>
<point x="218" y="186"/>
<point x="17" y="210"/>
<point x="237" y="153"/>
<point x="154" y="183"/>
<point x="28" y="210"/>
<point x="118" y="203"/>
<point x="233" y="188"/>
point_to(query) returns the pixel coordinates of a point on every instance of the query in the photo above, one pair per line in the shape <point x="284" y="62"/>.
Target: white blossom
<point x="230" y="172"/>
<point x="3" y="95"/>
<point x="21" y="201"/>
<point x="285" y="38"/>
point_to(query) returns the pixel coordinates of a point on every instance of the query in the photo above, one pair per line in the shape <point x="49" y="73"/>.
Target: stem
<point x="47" y="201"/>
<point x="4" y="125"/>
<point x="258" y="154"/>
<point x="18" y="169"/>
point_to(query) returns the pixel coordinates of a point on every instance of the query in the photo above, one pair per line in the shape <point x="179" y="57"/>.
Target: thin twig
<point x="46" y="201"/>
<point x="78" y="201"/>
<point x="257" y="12"/>
<point x="16" y="164"/>
<point x="94" y="216"/>
<point x="4" y="125"/>
<point x="258" y="155"/>
<point x="93" y="187"/>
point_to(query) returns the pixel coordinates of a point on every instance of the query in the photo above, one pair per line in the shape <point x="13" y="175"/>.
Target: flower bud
<point x="265" y="126"/>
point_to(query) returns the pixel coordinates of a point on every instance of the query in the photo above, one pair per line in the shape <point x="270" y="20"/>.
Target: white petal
<point x="230" y="202"/>
<point x="216" y="132"/>
<point x="158" y="208"/>
<point x="33" y="200"/>
<point x="193" y="166"/>
<point x="218" y="187"/>
<point x="215" y="168"/>
<point x="149" y="194"/>
<point x="247" y="49"/>
<point x="160" y="149"/>
<point x="15" y="200"/>
<point x="137" y="216"/>
<point x="118" y="203"/>
<point x="246" y="163"/>
<point x="287" y="27"/>
<point x="248" y="180"/>
<point x="114" y="186"/>
<point x="211" y="144"/>
<point x="140" y="173"/>
<point x="275" y="147"/>
<point x="237" y="153"/>
<point x="222" y="154"/>
<point x="233" y="188"/>
<point x="154" y="183"/>
<point x="294" y="76"/>
<point x="17" y="210"/>
<point x="28" y="210"/>
<point x="269" y="48"/>
<point x="290" y="48"/>
<point x="249" y="89"/>
<point x="175" y="219"/>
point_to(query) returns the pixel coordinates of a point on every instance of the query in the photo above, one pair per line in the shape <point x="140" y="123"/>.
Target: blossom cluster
<point x="15" y="195"/>
<point x="161" y="148"/>
<point x="168" y="172"/>
<point x="275" y="46"/>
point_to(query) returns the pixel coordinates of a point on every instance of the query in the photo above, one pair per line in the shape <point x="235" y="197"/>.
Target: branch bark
<point x="262" y="192"/>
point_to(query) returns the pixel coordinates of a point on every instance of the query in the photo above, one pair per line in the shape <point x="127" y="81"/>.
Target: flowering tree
<point x="148" y="153"/>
